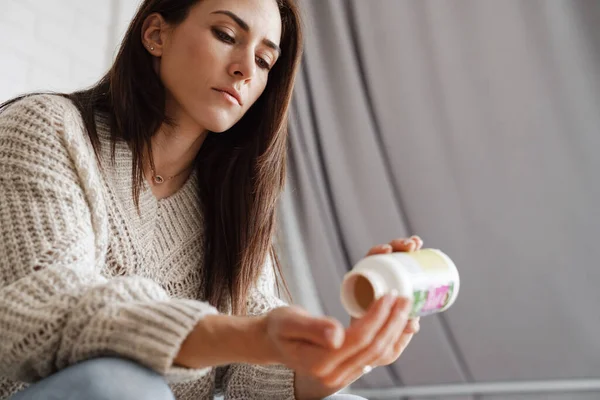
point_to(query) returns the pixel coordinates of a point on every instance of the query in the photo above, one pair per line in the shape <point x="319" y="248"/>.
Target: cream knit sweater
<point x="83" y="275"/>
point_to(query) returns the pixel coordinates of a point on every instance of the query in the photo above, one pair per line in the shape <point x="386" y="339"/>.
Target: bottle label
<point x="433" y="282"/>
<point x="432" y="300"/>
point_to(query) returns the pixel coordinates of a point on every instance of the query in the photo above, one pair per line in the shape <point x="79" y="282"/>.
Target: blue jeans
<point x="101" y="379"/>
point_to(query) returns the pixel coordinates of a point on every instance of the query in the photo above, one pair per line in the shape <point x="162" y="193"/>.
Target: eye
<point x="262" y="63"/>
<point x="222" y="36"/>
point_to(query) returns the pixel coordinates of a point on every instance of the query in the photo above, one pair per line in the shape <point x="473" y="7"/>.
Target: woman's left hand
<point x="413" y="243"/>
<point x="328" y="380"/>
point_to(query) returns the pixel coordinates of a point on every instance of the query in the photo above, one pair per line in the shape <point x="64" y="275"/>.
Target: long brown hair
<point x="241" y="171"/>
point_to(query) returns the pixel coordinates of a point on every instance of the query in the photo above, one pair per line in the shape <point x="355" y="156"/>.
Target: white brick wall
<point x="60" y="45"/>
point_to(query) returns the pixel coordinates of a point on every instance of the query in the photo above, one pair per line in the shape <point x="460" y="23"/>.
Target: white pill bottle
<point x="428" y="277"/>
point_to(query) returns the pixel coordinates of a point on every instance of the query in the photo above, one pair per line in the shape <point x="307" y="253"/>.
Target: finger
<point x="403" y="244"/>
<point x="402" y="343"/>
<point x="380" y="249"/>
<point x="418" y="241"/>
<point x="404" y="337"/>
<point x="413" y="326"/>
<point x="410" y="328"/>
<point x="361" y="334"/>
<point x="304" y="356"/>
<point x="382" y="350"/>
<point x="322" y="331"/>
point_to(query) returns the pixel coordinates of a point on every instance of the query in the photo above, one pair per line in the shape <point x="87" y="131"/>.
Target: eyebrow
<point x="242" y="24"/>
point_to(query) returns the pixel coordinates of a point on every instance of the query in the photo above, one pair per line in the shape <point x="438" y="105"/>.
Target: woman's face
<point x="215" y="64"/>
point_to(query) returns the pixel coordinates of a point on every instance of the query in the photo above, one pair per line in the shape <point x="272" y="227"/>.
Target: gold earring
<point x="151" y="48"/>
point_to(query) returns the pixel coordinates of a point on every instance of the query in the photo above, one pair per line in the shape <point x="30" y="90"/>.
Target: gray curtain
<point x="475" y="124"/>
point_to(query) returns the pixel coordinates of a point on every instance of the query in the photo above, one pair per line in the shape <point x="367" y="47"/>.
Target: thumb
<point x="322" y="331"/>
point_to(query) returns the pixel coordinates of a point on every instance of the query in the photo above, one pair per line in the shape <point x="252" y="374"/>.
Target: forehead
<point x="262" y="16"/>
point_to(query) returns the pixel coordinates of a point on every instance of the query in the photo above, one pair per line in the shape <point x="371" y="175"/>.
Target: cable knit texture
<point x="83" y="274"/>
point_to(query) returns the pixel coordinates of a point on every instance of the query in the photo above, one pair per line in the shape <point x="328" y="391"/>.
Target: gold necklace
<point x="158" y="179"/>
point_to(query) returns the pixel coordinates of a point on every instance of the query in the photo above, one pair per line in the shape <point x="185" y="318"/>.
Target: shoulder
<point x="40" y="108"/>
<point x="43" y="115"/>
<point x="47" y="124"/>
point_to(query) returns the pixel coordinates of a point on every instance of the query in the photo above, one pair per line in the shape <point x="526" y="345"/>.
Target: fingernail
<point x="389" y="300"/>
<point x="412" y="246"/>
<point x="386" y="247"/>
<point x="412" y="326"/>
<point x="332" y="337"/>
<point x="403" y="305"/>
<point x="416" y="326"/>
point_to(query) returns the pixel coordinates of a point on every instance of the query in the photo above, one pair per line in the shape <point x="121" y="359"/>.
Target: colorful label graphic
<point x="432" y="300"/>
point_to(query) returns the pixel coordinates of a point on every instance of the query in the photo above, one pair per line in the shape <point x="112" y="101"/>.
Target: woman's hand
<point x="376" y="339"/>
<point x="413" y="243"/>
<point x="298" y="340"/>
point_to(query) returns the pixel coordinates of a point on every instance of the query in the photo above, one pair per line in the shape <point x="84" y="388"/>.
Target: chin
<point x="218" y="122"/>
<point x="219" y="128"/>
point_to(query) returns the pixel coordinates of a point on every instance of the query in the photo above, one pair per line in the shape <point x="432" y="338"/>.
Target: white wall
<point x="59" y="45"/>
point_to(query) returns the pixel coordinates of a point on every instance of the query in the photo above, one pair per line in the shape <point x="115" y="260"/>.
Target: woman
<point x="136" y="220"/>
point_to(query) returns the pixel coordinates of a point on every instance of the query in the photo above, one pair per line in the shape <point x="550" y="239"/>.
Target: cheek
<point x="184" y="67"/>
<point x="255" y="92"/>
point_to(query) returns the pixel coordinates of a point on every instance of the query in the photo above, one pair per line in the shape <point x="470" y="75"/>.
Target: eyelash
<point x="222" y="36"/>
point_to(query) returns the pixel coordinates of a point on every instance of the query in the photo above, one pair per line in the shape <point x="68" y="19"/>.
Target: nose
<point x="244" y="68"/>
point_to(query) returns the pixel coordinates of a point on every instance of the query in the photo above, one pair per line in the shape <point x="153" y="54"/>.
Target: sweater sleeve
<point x="254" y="382"/>
<point x="56" y="307"/>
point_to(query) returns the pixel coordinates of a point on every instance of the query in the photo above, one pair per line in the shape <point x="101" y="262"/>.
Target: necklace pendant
<point x="158" y="179"/>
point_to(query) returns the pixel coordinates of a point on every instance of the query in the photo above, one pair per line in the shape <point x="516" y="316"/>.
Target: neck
<point x="174" y="151"/>
<point x="174" y="147"/>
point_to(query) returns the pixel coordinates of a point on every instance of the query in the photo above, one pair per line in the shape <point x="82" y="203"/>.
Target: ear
<point x="153" y="33"/>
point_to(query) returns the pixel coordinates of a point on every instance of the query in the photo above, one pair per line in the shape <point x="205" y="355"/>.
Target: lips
<point x="232" y="92"/>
